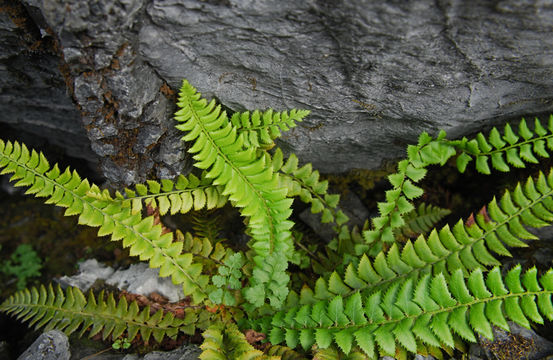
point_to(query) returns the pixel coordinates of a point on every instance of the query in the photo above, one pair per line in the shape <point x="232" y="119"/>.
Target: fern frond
<point x="202" y="247"/>
<point x="421" y="220"/>
<point x="226" y="342"/>
<point x="70" y="310"/>
<point x="430" y="311"/>
<point x="207" y="225"/>
<point x="284" y="353"/>
<point x="248" y="179"/>
<point x="398" y="200"/>
<point x="259" y="130"/>
<point x="184" y="195"/>
<point x="335" y="354"/>
<point x="304" y="183"/>
<point x="515" y="148"/>
<point x="464" y="247"/>
<point x="68" y="190"/>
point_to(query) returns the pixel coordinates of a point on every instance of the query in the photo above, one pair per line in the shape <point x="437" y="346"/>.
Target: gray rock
<point x="33" y="92"/>
<point x="51" y="345"/>
<point x="89" y="271"/>
<point x="137" y="279"/>
<point x="189" y="352"/>
<point x="140" y="279"/>
<point x="417" y="66"/>
<point x="421" y="357"/>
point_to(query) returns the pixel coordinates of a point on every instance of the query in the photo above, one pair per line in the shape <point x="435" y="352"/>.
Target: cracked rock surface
<point x="114" y="66"/>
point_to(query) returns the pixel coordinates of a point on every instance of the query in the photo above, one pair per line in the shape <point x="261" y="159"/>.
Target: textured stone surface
<point x="416" y="66"/>
<point x="190" y="352"/>
<point x="137" y="279"/>
<point x="140" y="279"/>
<point x="33" y="93"/>
<point x="51" y="345"/>
<point x="89" y="271"/>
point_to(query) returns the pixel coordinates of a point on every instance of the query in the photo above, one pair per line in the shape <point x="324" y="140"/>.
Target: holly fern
<point x="376" y="292"/>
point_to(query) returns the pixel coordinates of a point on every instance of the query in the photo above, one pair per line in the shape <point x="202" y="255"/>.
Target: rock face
<point x="51" y="345"/>
<point x="414" y="66"/>
<point x="137" y="279"/>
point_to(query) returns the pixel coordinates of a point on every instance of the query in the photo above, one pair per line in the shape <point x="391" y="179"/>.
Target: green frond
<point x="462" y="247"/>
<point x="259" y="130"/>
<point x="513" y="148"/>
<point x="398" y="202"/>
<point x="284" y="353"/>
<point x="202" y="247"/>
<point x="421" y="220"/>
<point x="303" y="182"/>
<point x="226" y="342"/>
<point x="334" y="354"/>
<point x="248" y="179"/>
<point x="141" y="235"/>
<point x="228" y="280"/>
<point x="187" y="193"/>
<point x="70" y="310"/>
<point x="430" y="311"/>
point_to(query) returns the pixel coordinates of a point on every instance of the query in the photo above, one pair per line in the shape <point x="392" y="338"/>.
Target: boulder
<point x="51" y="345"/>
<point x="374" y="74"/>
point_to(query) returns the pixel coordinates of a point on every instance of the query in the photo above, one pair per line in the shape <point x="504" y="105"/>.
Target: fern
<point x="226" y="342"/>
<point x="259" y="130"/>
<point x="184" y="195"/>
<point x="207" y="225"/>
<point x="248" y="179"/>
<point x="430" y="310"/>
<point x="421" y="220"/>
<point x="68" y="190"/>
<point x="430" y="151"/>
<point x="380" y="290"/>
<point x="515" y="148"/>
<point x="398" y="200"/>
<point x="304" y="183"/>
<point x="461" y="247"/>
<point x="70" y="311"/>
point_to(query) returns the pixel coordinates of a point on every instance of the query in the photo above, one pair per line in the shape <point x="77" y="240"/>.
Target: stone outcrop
<point x="102" y="75"/>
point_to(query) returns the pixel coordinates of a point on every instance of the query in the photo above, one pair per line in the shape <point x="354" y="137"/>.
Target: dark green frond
<point x="399" y="199"/>
<point x="429" y="311"/>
